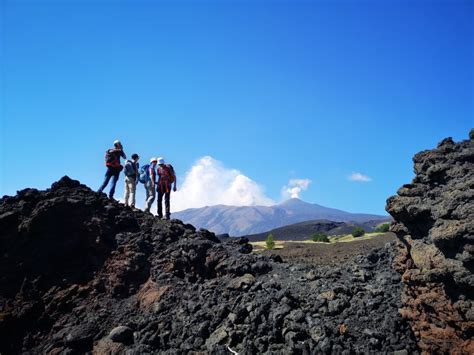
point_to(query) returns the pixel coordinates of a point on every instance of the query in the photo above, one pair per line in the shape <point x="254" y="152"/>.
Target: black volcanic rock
<point x="80" y="273"/>
<point x="434" y="219"/>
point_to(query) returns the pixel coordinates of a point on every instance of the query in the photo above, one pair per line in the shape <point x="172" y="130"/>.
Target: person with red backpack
<point x="112" y="162"/>
<point x="166" y="178"/>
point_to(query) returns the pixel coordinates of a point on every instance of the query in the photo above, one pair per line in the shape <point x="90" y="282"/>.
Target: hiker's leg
<point x="133" y="189"/>
<point x="106" y="181"/>
<point x="115" y="178"/>
<point x="127" y="190"/>
<point x="167" y="204"/>
<point x="147" y="195"/>
<point x="151" y="196"/>
<point x="160" y="203"/>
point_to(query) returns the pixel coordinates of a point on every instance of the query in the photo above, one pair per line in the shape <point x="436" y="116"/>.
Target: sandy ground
<point x="326" y="253"/>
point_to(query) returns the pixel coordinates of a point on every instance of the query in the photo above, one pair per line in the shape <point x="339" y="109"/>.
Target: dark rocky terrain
<point x="435" y="223"/>
<point x="246" y="220"/>
<point x="80" y="273"/>
<point x="304" y="230"/>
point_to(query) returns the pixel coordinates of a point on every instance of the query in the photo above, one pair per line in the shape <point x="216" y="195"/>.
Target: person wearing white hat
<point x="150" y="184"/>
<point x="112" y="162"/>
<point x="166" y="178"/>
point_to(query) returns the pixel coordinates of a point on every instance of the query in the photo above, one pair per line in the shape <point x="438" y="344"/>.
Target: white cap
<point x="153" y="159"/>
<point x="161" y="160"/>
<point x="117" y="142"/>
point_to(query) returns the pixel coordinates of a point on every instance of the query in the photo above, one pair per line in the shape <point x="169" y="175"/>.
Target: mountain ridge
<point x="246" y="220"/>
<point x="304" y="230"/>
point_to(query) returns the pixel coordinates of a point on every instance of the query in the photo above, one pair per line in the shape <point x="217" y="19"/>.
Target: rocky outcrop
<point x="434" y="220"/>
<point x="80" y="273"/>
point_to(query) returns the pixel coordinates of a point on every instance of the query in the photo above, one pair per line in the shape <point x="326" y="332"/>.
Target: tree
<point x="320" y="237"/>
<point x="383" y="228"/>
<point x="269" y="242"/>
<point x="357" y="232"/>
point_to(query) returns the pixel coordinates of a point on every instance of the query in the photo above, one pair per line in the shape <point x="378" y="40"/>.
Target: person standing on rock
<point x="112" y="162"/>
<point x="131" y="179"/>
<point x="148" y="177"/>
<point x="166" y="178"/>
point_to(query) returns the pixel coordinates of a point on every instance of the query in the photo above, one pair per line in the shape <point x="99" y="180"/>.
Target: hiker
<point x="147" y="177"/>
<point x="166" y="178"/>
<point x="112" y="162"/>
<point x="131" y="179"/>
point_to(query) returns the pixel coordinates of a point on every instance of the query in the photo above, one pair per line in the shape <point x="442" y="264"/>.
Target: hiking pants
<point x="130" y="188"/>
<point x="150" y="195"/>
<point x="110" y="173"/>
<point x="166" y="194"/>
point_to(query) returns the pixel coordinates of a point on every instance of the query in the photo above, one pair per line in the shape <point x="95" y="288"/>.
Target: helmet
<point x="161" y="160"/>
<point x="153" y="159"/>
<point x="117" y="142"/>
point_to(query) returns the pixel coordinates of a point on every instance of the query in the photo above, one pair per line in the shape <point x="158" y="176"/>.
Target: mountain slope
<point x="304" y="230"/>
<point x="245" y="220"/>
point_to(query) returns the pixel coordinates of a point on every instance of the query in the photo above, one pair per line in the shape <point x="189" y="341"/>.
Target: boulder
<point x="434" y="221"/>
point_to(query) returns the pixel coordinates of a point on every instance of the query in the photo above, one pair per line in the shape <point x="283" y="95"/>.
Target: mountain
<point x="304" y="230"/>
<point x="245" y="220"/>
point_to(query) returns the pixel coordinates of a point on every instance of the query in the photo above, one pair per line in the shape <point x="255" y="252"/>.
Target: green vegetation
<point x="383" y="228"/>
<point x="357" y="232"/>
<point x="320" y="237"/>
<point x="270" y="243"/>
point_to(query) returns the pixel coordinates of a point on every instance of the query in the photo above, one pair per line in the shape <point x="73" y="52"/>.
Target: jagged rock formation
<point x="435" y="223"/>
<point x="80" y="273"/>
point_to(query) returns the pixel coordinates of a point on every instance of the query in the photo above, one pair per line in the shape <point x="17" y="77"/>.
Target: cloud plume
<point x="358" y="177"/>
<point x="294" y="188"/>
<point x="209" y="182"/>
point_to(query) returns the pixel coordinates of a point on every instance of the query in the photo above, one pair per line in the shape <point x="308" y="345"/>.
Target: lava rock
<point x="434" y="221"/>
<point x="121" y="334"/>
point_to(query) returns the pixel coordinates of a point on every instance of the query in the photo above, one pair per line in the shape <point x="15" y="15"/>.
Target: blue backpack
<point x="144" y="174"/>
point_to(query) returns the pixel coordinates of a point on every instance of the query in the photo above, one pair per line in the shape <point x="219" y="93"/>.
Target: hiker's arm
<point x="122" y="154"/>
<point x="174" y="188"/>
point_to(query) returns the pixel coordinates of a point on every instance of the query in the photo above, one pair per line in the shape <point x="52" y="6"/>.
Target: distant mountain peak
<point x="293" y="202"/>
<point x="245" y="220"/>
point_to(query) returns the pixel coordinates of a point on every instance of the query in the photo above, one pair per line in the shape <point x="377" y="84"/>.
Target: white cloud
<point x="294" y="188"/>
<point x="359" y="177"/>
<point x="209" y="182"/>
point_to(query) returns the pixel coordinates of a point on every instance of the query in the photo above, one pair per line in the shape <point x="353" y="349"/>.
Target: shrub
<point x="269" y="242"/>
<point x="357" y="232"/>
<point x="320" y="237"/>
<point x="383" y="228"/>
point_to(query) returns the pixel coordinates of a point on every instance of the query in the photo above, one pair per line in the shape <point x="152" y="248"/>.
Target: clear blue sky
<point x="276" y="89"/>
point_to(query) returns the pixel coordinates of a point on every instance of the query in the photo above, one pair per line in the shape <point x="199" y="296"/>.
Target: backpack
<point x="167" y="173"/>
<point x="110" y="158"/>
<point x="130" y="169"/>
<point x="144" y="173"/>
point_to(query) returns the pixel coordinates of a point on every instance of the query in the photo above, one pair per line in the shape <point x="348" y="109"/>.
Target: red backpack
<point x="112" y="159"/>
<point x="166" y="173"/>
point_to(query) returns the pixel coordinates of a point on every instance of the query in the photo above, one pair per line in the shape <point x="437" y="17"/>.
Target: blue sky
<point x="278" y="90"/>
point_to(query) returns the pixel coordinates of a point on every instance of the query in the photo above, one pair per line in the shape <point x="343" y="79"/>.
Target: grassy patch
<point x="350" y="238"/>
<point x="280" y="244"/>
<point x="263" y="245"/>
